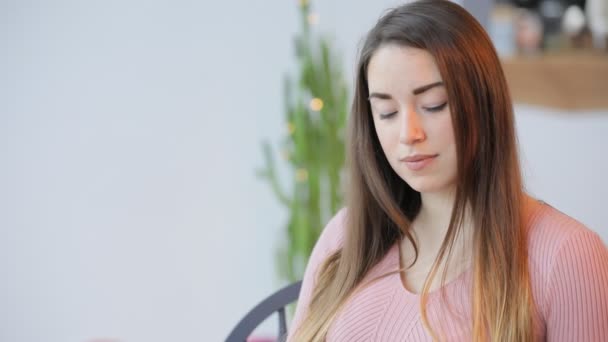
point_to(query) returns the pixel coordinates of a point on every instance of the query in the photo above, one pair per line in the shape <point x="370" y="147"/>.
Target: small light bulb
<point x="313" y="18"/>
<point x="290" y="128"/>
<point x="316" y="104"/>
<point x="301" y="175"/>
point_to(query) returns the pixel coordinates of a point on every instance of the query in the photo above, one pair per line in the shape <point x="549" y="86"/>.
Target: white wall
<point x="129" y="136"/>
<point x="130" y="132"/>
<point x="565" y="162"/>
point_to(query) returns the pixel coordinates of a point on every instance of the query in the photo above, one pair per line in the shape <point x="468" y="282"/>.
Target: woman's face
<point x="412" y="117"/>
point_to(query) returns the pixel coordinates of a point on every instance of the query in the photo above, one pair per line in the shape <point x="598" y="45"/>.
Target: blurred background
<point x="131" y="131"/>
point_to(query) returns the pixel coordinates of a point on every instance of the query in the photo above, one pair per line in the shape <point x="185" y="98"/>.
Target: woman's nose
<point x="411" y="131"/>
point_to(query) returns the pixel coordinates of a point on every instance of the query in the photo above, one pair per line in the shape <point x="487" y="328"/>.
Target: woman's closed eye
<point x="387" y="115"/>
<point x="435" y="108"/>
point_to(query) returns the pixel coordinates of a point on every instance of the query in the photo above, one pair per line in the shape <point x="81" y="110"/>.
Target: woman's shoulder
<point x="550" y="229"/>
<point x="557" y="239"/>
<point x="569" y="272"/>
<point x="332" y="236"/>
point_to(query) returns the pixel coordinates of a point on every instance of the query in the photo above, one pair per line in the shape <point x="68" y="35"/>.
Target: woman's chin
<point x="428" y="186"/>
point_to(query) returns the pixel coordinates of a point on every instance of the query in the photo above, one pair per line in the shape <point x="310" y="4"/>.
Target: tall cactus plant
<point x="316" y="105"/>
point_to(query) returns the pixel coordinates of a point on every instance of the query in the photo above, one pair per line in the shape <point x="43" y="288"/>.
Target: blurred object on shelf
<point x="573" y="22"/>
<point x="574" y="26"/>
<point x="567" y="81"/>
<point x="549" y="26"/>
<point x="528" y="32"/>
<point x="551" y="13"/>
<point x="597" y="21"/>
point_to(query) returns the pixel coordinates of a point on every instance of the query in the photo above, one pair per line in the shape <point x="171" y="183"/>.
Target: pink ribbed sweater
<point x="569" y="271"/>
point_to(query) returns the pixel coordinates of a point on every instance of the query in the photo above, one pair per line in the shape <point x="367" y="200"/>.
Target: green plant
<point x="316" y="105"/>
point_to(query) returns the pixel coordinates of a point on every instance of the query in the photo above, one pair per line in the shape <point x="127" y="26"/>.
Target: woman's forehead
<point x="393" y="66"/>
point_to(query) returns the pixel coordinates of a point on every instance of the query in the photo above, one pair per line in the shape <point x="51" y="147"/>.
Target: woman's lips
<point x="418" y="162"/>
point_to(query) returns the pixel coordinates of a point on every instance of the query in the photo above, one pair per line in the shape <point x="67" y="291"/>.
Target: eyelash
<point x="431" y="109"/>
<point x="387" y="116"/>
<point x="437" y="108"/>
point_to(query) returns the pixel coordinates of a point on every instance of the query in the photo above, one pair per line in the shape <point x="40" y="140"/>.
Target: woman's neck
<point x="429" y="229"/>
<point x="432" y="222"/>
<point x="435" y="212"/>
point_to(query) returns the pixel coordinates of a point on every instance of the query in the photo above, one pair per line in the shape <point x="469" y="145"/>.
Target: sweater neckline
<point x="395" y="256"/>
<point x="449" y="284"/>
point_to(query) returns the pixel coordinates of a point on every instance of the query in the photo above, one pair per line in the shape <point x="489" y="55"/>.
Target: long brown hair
<point x="382" y="205"/>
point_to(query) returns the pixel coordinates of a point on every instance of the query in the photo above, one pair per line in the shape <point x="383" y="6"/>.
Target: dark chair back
<point x="274" y="303"/>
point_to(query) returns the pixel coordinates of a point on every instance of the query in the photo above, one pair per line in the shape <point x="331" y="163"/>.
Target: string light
<point x="290" y="128"/>
<point x="301" y="175"/>
<point x="313" y="18"/>
<point x="316" y="104"/>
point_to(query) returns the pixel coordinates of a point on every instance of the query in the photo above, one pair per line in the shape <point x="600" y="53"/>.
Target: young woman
<point x="439" y="240"/>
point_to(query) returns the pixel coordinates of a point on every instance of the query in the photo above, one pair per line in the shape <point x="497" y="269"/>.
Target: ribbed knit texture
<point x="569" y="272"/>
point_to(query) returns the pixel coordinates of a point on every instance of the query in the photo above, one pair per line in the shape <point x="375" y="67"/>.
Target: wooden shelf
<point x="572" y="81"/>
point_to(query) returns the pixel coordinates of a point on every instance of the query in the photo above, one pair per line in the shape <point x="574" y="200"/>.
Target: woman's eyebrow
<point x="381" y="96"/>
<point x="417" y="91"/>
<point x="424" y="88"/>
